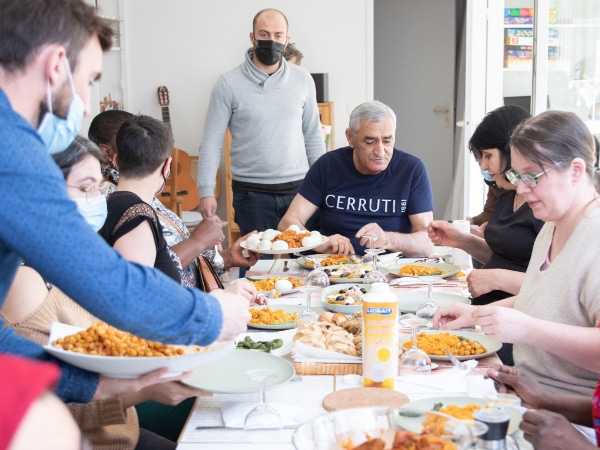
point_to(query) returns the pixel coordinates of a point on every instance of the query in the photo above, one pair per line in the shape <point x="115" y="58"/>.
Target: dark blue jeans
<point x="259" y="211"/>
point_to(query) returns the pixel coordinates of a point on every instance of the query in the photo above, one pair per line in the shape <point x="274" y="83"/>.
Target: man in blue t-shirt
<point x="367" y="188"/>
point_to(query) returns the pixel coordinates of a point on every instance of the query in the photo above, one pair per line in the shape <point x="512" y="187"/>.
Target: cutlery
<point x="462" y="366"/>
<point x="285" y="266"/>
<point x="218" y="261"/>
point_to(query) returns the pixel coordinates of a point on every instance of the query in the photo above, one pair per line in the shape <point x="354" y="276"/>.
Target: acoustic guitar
<point x="181" y="177"/>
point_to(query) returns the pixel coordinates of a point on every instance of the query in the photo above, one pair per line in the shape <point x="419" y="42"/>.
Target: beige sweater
<point x="104" y="423"/>
<point x="568" y="292"/>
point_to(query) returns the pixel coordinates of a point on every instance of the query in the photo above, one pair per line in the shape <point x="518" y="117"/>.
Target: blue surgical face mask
<point x="58" y="133"/>
<point x="94" y="211"/>
<point x="486" y="176"/>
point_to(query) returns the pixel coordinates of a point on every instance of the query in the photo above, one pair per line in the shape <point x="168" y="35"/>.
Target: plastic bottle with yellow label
<point x="380" y="337"/>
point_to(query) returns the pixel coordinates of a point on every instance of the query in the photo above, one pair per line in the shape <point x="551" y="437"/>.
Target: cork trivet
<point x="363" y="396"/>
<point x="328" y="369"/>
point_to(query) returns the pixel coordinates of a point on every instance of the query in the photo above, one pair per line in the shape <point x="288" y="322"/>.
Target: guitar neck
<point x="166" y="117"/>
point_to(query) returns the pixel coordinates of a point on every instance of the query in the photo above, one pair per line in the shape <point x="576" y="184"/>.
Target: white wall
<point x="186" y="44"/>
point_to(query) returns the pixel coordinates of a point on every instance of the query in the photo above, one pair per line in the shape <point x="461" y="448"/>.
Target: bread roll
<point x="338" y="318"/>
<point x="326" y="317"/>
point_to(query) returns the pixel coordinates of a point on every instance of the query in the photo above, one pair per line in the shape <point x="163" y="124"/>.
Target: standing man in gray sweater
<point x="271" y="110"/>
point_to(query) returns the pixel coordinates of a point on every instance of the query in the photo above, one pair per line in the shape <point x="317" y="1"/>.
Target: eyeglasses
<point x="92" y="191"/>
<point x="529" y="179"/>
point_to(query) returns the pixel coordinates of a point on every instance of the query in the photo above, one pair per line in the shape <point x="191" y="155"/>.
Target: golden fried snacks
<point x="332" y="260"/>
<point x="404" y="440"/>
<point x="413" y="270"/>
<point x="268" y="284"/>
<point x="461" y="412"/>
<point x="268" y="316"/>
<point x="103" y="340"/>
<point x="437" y="343"/>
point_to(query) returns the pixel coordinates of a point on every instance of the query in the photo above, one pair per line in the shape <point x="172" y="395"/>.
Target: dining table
<point x="301" y="398"/>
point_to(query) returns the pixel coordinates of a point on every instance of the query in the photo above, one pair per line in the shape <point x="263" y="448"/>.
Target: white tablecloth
<point x="301" y="399"/>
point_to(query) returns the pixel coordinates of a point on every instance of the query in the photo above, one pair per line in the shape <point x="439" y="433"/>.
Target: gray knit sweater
<point x="274" y="123"/>
<point x="566" y="292"/>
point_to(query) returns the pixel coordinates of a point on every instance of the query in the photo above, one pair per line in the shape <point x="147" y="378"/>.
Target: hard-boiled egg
<point x="294" y="227"/>
<point x="316" y="234"/>
<point x="264" y="245"/>
<point x="279" y="245"/>
<point x="252" y="241"/>
<point x="310" y="241"/>
<point x="270" y="234"/>
<point x="283" y="285"/>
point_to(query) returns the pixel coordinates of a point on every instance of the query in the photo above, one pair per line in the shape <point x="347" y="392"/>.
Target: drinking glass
<point x="414" y="361"/>
<point x="370" y="258"/>
<point x="316" y="280"/>
<point x="262" y="417"/>
<point x="430" y="281"/>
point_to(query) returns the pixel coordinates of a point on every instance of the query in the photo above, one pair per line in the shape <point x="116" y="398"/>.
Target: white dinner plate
<point x="344" y="309"/>
<point x="449" y="269"/>
<point x="228" y="374"/>
<point x="324" y="239"/>
<point x="428" y="403"/>
<point x="281" y="291"/>
<point x="408" y="302"/>
<point x="345" y="280"/>
<point x="491" y="345"/>
<point x="133" y="367"/>
<point x="290" y="309"/>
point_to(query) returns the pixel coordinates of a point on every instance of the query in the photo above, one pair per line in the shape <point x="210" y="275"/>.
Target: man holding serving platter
<point x="367" y="188"/>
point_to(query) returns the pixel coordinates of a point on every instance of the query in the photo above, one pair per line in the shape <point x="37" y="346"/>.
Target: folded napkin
<point x="234" y="413"/>
<point x="446" y="381"/>
<point x="387" y="258"/>
<point x="481" y="387"/>
<point x="452" y="380"/>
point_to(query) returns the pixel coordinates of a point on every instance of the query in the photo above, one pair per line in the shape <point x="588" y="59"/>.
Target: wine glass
<point x="262" y="417"/>
<point x="414" y="361"/>
<point x="316" y="280"/>
<point x="370" y="258"/>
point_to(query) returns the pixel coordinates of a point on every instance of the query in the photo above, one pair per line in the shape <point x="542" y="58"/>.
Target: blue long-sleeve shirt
<point x="40" y="224"/>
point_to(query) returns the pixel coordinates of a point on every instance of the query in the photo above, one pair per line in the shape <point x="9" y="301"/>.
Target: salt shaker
<point x="497" y="421"/>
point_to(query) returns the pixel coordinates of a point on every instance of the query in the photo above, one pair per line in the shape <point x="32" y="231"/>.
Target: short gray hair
<point x="372" y="111"/>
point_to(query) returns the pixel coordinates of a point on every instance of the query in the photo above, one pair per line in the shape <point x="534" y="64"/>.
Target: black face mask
<point x="269" y="52"/>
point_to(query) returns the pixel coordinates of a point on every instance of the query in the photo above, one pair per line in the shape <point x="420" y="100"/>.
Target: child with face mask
<point x="32" y="305"/>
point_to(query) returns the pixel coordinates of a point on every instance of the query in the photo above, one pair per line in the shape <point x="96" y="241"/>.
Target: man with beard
<point x="271" y="110"/>
<point x="50" y="54"/>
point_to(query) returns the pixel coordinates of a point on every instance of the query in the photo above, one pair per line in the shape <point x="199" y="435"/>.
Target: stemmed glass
<point x="414" y="361"/>
<point x="428" y="309"/>
<point x="262" y="417"/>
<point x="374" y="276"/>
<point x="430" y="281"/>
<point x="316" y="280"/>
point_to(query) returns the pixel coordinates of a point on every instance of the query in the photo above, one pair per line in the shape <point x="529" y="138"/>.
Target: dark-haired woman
<point x="506" y="246"/>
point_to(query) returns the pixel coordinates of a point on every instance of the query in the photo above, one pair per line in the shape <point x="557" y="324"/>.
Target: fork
<point x="462" y="366"/>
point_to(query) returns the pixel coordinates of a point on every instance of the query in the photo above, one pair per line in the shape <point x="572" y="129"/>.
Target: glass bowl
<point x="349" y="428"/>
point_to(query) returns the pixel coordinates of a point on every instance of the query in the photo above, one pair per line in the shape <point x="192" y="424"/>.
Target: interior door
<point x="414" y="65"/>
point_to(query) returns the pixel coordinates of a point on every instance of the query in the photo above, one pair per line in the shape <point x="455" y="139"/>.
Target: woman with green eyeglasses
<point x="553" y="321"/>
